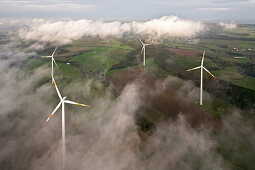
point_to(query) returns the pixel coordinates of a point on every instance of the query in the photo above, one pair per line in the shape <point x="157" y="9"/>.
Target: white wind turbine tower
<point x="143" y="50"/>
<point x="52" y="60"/>
<point x="62" y="101"/>
<point x="201" y="81"/>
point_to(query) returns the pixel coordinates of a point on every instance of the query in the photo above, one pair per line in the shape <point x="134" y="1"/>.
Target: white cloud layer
<point x="167" y="26"/>
<point x="227" y="26"/>
<point x="66" y="31"/>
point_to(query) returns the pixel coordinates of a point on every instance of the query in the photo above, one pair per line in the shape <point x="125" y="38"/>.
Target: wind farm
<point x="146" y="73"/>
<point x="122" y="71"/>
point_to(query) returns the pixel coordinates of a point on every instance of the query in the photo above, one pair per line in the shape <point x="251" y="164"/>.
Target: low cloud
<point x="187" y="89"/>
<point x="177" y="146"/>
<point x="228" y="25"/>
<point x="11" y="54"/>
<point x="168" y="26"/>
<point x="236" y="140"/>
<point x="66" y="31"/>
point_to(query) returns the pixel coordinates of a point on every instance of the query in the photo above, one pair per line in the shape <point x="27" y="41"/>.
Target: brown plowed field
<point x="74" y="51"/>
<point x="186" y="53"/>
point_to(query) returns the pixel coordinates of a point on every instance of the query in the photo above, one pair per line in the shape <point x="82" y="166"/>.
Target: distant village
<point x="248" y="49"/>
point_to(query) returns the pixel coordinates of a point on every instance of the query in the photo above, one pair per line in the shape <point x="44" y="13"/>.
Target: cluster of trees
<point x="239" y="96"/>
<point x="249" y="69"/>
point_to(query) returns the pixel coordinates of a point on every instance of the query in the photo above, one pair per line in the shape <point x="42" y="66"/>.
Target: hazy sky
<point x="211" y="10"/>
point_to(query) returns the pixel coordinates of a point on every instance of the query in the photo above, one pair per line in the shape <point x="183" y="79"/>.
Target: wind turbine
<point x="52" y="60"/>
<point x="201" y="81"/>
<point x="62" y="102"/>
<point x="143" y="50"/>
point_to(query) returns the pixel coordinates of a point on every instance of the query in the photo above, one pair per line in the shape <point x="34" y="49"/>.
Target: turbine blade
<point x="52" y="113"/>
<point x="147" y="44"/>
<point x="142" y="49"/>
<point x="71" y="102"/>
<point x="54" y="51"/>
<point x="209" y="72"/>
<point x="59" y="95"/>
<point x="46" y="56"/>
<point x="141" y="41"/>
<point x="203" y="58"/>
<point x="54" y="61"/>
<point x="194" y="68"/>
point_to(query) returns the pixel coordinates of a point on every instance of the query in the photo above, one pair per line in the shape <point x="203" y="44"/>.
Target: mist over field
<point x="107" y="135"/>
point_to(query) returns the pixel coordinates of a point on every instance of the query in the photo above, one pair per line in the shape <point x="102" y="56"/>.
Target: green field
<point x="228" y="73"/>
<point x="95" y="61"/>
<point x="68" y="70"/>
<point x="247" y="82"/>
